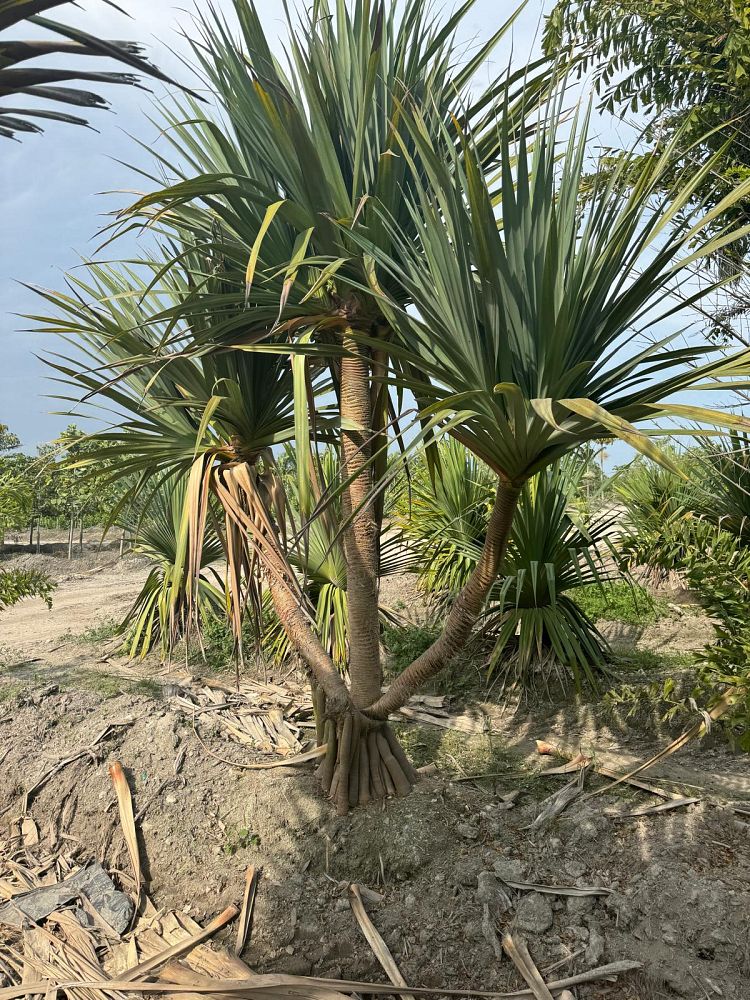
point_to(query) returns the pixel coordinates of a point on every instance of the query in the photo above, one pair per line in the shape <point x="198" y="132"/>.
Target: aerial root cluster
<point x="363" y="761"/>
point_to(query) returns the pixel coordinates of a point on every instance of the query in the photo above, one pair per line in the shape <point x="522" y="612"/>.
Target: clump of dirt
<point x="678" y="883"/>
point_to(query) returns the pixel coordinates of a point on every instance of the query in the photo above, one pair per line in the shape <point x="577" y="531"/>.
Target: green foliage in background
<point x="720" y="573"/>
<point x="68" y="479"/>
<point x="697" y="524"/>
<point x="721" y="488"/>
<point x="659" y="520"/>
<point x="536" y="629"/>
<point x="19" y="81"/>
<point x="18" y="584"/>
<point x="685" y="67"/>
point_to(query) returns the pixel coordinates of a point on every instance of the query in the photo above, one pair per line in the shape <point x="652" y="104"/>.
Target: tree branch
<point x="464" y="613"/>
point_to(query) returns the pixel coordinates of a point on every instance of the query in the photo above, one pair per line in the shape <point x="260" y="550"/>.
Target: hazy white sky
<point x="50" y="201"/>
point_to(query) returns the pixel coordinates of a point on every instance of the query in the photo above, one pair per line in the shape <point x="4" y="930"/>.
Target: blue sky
<point x="50" y="185"/>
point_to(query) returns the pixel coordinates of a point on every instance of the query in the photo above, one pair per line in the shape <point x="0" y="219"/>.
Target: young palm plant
<point x="541" y="633"/>
<point x="171" y="600"/>
<point x="538" y="631"/>
<point x="722" y="495"/>
<point x="659" y="517"/>
<point x="369" y="213"/>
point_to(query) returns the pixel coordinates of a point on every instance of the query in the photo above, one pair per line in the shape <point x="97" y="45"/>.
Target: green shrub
<point x="700" y="526"/>
<point x="721" y="574"/>
<point x="659" y="520"/>
<point x="405" y="644"/>
<point x="536" y="630"/>
<point x="18" y="584"/>
<point x="620" y="601"/>
<point x="460" y="679"/>
<point x="632" y="700"/>
<point x="103" y="631"/>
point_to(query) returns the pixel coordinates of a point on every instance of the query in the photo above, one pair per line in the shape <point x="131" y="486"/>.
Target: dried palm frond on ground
<point x="279" y="718"/>
<point x="257" y="716"/>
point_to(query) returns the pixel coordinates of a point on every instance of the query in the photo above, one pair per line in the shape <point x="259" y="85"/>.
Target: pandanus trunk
<point x="364" y="759"/>
<point x="361" y="535"/>
<point x="464" y="612"/>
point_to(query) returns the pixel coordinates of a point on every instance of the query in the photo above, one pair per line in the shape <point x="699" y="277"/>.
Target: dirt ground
<point x="677" y="883"/>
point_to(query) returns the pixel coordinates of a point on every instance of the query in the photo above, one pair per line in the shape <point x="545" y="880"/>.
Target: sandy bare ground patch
<point x="676" y="885"/>
<point x="79" y="603"/>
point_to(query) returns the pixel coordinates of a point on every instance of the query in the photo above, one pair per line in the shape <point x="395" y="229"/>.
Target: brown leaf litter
<point x="71" y="928"/>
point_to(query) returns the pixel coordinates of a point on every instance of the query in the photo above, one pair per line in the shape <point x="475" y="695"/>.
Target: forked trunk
<point x="364" y="759"/>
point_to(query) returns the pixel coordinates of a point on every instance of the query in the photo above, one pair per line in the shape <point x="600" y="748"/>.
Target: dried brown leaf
<point x="246" y="913"/>
<point x="375" y="941"/>
<point x="181" y="948"/>
<point x="127" y="821"/>
<point x="518" y="953"/>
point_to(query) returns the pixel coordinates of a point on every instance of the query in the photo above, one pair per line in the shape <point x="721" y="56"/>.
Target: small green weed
<point x="103" y="631"/>
<point x="217" y="655"/>
<point x="10" y="692"/>
<point x="647" y="661"/>
<point x="405" y="644"/>
<point x="239" y="839"/>
<point x="631" y="700"/>
<point x="110" y="685"/>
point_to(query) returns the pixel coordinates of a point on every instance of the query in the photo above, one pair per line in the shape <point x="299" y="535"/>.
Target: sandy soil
<point x="678" y="882"/>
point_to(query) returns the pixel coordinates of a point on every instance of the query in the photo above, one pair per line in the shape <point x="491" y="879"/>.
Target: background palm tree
<point x="18" y="80"/>
<point x="171" y="599"/>
<point x="538" y="632"/>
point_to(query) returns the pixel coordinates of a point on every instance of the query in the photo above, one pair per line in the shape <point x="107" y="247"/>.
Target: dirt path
<point x="79" y="603"/>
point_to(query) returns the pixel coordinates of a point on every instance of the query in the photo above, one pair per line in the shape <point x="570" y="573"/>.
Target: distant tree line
<point x="56" y="485"/>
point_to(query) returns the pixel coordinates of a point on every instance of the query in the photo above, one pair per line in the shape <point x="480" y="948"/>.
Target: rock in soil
<point x="534" y="913"/>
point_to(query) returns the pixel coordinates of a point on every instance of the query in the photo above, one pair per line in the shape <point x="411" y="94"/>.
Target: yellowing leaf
<point x="255" y="252"/>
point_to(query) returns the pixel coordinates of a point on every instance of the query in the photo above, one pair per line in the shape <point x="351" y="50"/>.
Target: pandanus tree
<point x="421" y="259"/>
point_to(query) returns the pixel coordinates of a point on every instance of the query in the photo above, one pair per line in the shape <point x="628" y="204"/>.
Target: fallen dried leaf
<point x="648" y="810"/>
<point x="267" y="987"/>
<point x="127" y="820"/>
<point x="559" y="890"/>
<point x="559" y="801"/>
<point x="181" y="948"/>
<point x="246" y="913"/>
<point x="519" y="955"/>
<point x="375" y="941"/>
